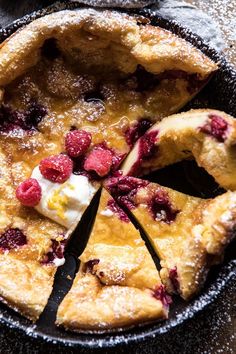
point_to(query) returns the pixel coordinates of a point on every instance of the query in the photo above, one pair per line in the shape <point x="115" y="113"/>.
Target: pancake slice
<point x="188" y="234"/>
<point x="117" y="284"/>
<point x="31" y="245"/>
<point x="208" y="136"/>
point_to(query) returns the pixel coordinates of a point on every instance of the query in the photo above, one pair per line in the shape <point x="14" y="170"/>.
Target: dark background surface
<point x="211" y="331"/>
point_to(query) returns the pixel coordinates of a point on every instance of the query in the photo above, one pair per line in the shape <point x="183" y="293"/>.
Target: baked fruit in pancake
<point x="117" y="284"/>
<point x="31" y="247"/>
<point x="97" y="70"/>
<point x="188" y="234"/>
<point x="207" y="135"/>
<point x="88" y="69"/>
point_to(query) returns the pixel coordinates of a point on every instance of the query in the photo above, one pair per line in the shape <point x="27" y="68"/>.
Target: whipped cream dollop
<point x="64" y="203"/>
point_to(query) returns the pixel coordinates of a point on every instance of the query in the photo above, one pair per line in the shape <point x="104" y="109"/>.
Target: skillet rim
<point x="227" y="271"/>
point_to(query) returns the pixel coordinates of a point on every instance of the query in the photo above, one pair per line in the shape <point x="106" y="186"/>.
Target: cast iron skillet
<point x="220" y="93"/>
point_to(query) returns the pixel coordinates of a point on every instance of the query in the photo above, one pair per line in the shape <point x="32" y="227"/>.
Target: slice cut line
<point x="188" y="234"/>
<point x="117" y="284"/>
<point x="43" y="98"/>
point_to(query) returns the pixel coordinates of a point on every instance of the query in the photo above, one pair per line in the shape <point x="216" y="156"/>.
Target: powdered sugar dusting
<point x="117" y="3"/>
<point x="154" y="334"/>
<point x="150" y="333"/>
<point x="223" y="13"/>
<point x="193" y="18"/>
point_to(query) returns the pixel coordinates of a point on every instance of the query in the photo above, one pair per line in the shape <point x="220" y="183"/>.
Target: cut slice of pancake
<point x="96" y="70"/>
<point x="207" y="135"/>
<point x="188" y="234"/>
<point x="117" y="284"/>
<point x="31" y="247"/>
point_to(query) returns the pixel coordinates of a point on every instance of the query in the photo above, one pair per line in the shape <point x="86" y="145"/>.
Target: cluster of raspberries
<point x="58" y="168"/>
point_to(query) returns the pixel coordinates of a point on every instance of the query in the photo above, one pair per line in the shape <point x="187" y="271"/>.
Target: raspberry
<point x="29" y="192"/>
<point x="11" y="119"/>
<point x="161" y="294"/>
<point x="114" y="207"/>
<point x="147" y="145"/>
<point x="99" y="160"/>
<point x="56" y="251"/>
<point x="116" y="160"/>
<point x="216" y="127"/>
<point x="124" y="189"/>
<point x="161" y="208"/>
<point x="77" y="142"/>
<point x="56" y="168"/>
<point x="12" y="238"/>
<point x="134" y="132"/>
<point x="147" y="149"/>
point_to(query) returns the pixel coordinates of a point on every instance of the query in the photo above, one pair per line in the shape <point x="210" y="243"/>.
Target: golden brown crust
<point x="174" y="243"/>
<point x="25" y="283"/>
<point x="219" y="220"/>
<point x="188" y="234"/>
<point x="101" y="43"/>
<point x="91" y="305"/>
<point x="123" y="256"/>
<point x="157" y="49"/>
<point x="96" y="40"/>
<point x="99" y="52"/>
<point x="182" y="136"/>
<point x="117" y="279"/>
